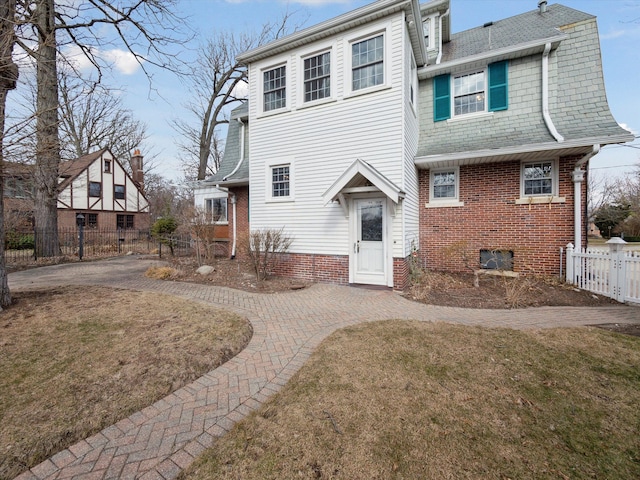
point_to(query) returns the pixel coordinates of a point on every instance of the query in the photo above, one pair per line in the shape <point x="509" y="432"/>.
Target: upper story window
<point x="471" y="93"/>
<point x="468" y="93"/>
<point x="428" y="31"/>
<point x="107" y="166"/>
<point x="317" y="77"/>
<point x="280" y="177"/>
<point x="275" y="88"/>
<point x="119" y="192"/>
<point x="539" y="178"/>
<point x="216" y="210"/>
<point x="367" y="62"/>
<point x="95" y="189"/>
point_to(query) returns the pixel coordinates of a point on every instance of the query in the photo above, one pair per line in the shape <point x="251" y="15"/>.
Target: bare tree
<point x="217" y="81"/>
<point x="45" y="28"/>
<point x="8" y="80"/>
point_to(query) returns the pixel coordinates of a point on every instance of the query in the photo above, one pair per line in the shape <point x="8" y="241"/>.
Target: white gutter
<point x="513" y="51"/>
<point x="439" y="57"/>
<point x="490" y="154"/>
<point x="578" y="177"/>
<point x="545" y="95"/>
<point x="325" y="29"/>
<point x="242" y="127"/>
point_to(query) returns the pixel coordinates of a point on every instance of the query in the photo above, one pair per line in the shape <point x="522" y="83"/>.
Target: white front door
<point x="369" y="263"/>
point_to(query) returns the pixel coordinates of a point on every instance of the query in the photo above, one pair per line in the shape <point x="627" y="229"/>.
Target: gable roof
<point x="360" y="174"/>
<point x="70" y="169"/>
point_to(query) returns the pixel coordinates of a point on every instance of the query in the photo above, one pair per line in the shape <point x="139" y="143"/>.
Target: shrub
<point x="162" y="229"/>
<point x="264" y="248"/>
<point x="18" y="241"/>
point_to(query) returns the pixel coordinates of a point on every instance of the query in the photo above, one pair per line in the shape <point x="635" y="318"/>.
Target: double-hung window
<point x="471" y="92"/>
<point x="216" y="210"/>
<point x="317" y="77"/>
<point x="428" y="32"/>
<point x="444" y="187"/>
<point x="280" y="181"/>
<point x="538" y="178"/>
<point x="275" y="88"/>
<point x="367" y="63"/>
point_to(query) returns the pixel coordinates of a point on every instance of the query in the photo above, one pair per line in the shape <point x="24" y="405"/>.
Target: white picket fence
<point x="613" y="273"/>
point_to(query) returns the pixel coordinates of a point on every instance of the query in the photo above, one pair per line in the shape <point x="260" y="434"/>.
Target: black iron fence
<point x="36" y="246"/>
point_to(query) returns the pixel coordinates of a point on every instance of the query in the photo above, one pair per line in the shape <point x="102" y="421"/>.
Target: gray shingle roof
<point x="524" y="28"/>
<point x="232" y="150"/>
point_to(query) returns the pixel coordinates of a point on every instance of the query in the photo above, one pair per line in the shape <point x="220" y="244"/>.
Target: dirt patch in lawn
<point x="408" y="400"/>
<point x="458" y="290"/>
<point x="75" y="361"/>
<point x="235" y="273"/>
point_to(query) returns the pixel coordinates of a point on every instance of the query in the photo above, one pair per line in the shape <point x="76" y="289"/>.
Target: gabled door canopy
<point x="361" y="177"/>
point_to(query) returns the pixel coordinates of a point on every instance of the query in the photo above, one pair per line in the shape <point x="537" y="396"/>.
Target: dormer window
<point x="428" y="31"/>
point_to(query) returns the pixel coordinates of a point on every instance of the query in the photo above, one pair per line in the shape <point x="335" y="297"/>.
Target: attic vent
<point x="542" y="5"/>
<point x="488" y="24"/>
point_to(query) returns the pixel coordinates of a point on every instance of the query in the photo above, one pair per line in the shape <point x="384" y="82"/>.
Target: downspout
<point x="233" y="207"/>
<point x="233" y="195"/>
<point x="242" y="127"/>
<point x="545" y="95"/>
<point x="439" y="57"/>
<point x="578" y="177"/>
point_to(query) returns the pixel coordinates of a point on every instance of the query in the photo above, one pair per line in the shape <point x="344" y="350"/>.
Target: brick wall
<point x="316" y="268"/>
<point x="400" y="273"/>
<point x="490" y="219"/>
<point x="242" y="219"/>
<point x="106" y="220"/>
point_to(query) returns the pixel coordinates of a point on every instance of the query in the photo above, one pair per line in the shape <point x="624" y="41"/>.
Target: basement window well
<point x="496" y="259"/>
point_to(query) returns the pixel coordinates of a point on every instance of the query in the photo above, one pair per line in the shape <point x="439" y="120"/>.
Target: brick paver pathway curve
<point x="164" y="438"/>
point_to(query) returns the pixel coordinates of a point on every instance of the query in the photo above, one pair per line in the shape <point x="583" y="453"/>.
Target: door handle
<point x="356" y="247"/>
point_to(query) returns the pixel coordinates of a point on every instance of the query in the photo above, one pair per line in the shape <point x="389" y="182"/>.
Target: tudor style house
<point x="378" y="138"/>
<point x="95" y="185"/>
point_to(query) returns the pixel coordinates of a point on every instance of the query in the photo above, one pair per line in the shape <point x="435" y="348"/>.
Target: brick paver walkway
<point x="164" y="438"/>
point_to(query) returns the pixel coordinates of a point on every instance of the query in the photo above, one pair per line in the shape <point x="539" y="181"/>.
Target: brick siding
<point x="316" y="268"/>
<point x="490" y="219"/>
<point x="106" y="220"/>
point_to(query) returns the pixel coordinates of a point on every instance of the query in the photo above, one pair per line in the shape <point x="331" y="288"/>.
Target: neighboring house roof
<point x="234" y="167"/>
<point x="70" y="169"/>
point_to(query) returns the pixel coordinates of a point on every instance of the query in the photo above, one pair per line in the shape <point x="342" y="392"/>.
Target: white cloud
<point x="123" y="61"/>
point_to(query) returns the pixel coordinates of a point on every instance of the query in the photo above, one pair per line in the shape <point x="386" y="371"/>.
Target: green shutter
<point x="498" y="90"/>
<point x="441" y="98"/>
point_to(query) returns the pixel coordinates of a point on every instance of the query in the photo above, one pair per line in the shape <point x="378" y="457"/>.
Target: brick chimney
<point x="136" y="169"/>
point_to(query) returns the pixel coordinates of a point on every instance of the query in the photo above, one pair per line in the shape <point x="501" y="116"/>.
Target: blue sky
<point x="618" y="23"/>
